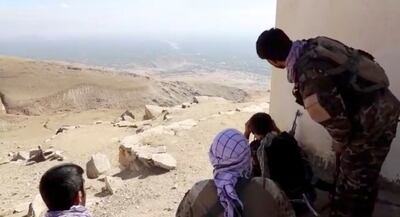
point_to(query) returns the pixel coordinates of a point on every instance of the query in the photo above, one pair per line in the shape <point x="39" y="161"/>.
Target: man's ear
<point x="77" y="199"/>
<point x="80" y="198"/>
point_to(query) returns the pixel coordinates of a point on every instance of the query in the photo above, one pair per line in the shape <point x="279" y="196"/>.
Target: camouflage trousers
<point x="360" y="165"/>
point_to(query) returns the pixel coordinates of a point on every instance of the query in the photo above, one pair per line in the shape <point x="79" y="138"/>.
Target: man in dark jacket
<point x="232" y="192"/>
<point x="345" y="91"/>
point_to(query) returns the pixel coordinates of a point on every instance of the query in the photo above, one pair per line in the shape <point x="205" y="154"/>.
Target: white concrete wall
<point x="371" y="25"/>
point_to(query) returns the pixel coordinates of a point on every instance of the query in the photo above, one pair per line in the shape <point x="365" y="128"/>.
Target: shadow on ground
<point x="142" y="174"/>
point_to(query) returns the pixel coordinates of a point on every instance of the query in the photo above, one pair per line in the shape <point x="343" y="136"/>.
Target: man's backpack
<point x="283" y="161"/>
<point x="365" y="75"/>
<point x="286" y="164"/>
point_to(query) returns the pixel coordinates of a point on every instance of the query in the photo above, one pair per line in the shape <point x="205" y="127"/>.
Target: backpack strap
<point x="217" y="208"/>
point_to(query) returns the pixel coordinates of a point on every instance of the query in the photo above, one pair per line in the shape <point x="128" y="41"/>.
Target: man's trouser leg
<point x="360" y="165"/>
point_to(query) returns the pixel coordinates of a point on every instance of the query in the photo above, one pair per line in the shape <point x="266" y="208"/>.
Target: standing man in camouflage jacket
<point x="345" y="91"/>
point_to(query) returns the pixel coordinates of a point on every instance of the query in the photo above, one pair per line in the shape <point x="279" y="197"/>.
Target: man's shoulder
<point x="269" y="186"/>
<point x="200" y="186"/>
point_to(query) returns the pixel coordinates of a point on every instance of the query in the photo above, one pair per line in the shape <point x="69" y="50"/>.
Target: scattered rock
<point x="112" y="184"/>
<point x="166" y="116"/>
<point x="153" y="111"/>
<point x="186" y="105"/>
<point x="143" y="128"/>
<point x="56" y="155"/>
<point x="37" y="208"/>
<point x="182" y="125"/>
<point x="21" y="155"/>
<point x="255" y="108"/>
<point x="164" y="160"/>
<point x="74" y="68"/>
<point x="168" y="209"/>
<point x="97" y="165"/>
<point x="127" y="116"/>
<point x="227" y="113"/>
<point x="98" y="122"/>
<point x="4" y="161"/>
<point x="21" y="208"/>
<point x="204" y="99"/>
<point x="65" y="128"/>
<point x="125" y="124"/>
<point x="159" y="130"/>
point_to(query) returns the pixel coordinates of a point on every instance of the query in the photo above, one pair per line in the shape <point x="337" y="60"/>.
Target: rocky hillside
<point x="33" y="87"/>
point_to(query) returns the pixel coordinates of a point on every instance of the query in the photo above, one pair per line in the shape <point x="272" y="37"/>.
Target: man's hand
<point x="247" y="130"/>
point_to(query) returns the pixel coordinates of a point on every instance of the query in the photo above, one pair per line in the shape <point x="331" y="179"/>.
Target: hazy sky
<point x="67" y="18"/>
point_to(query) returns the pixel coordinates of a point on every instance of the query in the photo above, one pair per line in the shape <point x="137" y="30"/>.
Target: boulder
<point x="153" y="111"/>
<point x="37" y="155"/>
<point x="135" y="157"/>
<point x="127" y="116"/>
<point x="34" y="152"/>
<point x="164" y="160"/>
<point x="112" y="184"/>
<point x="126" y="158"/>
<point x="97" y="165"/>
<point x="37" y="207"/>
<point x="204" y="99"/>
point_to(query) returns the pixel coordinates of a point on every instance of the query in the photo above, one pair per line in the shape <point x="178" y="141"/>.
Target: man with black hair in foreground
<point x="62" y="190"/>
<point x="347" y="92"/>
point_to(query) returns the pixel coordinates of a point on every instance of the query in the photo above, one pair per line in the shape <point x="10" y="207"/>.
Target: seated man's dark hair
<point x="273" y="44"/>
<point x="60" y="185"/>
<point x="261" y="123"/>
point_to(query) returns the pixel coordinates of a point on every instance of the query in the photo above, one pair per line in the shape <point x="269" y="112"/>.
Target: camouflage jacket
<point x="344" y="112"/>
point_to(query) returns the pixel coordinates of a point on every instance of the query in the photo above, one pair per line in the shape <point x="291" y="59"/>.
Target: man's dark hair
<point x="261" y="123"/>
<point x="60" y="185"/>
<point x="273" y="44"/>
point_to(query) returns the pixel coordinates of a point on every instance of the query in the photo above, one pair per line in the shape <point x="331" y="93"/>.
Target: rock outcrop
<point x="153" y="111"/>
<point x="97" y="165"/>
<point x="137" y="156"/>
